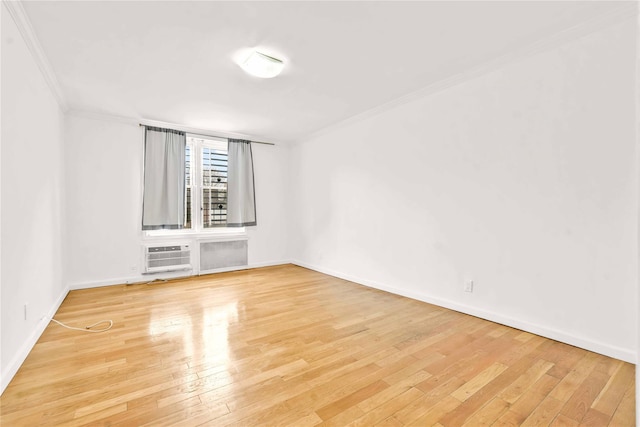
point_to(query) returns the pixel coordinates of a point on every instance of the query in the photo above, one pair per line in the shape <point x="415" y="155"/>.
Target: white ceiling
<point x="174" y="61"/>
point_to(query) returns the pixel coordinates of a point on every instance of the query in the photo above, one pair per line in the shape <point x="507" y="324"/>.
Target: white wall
<point x="102" y="179"/>
<point x="32" y="201"/>
<point x="268" y="241"/>
<point x="522" y="179"/>
<point x="103" y="182"/>
<point x="637" y="94"/>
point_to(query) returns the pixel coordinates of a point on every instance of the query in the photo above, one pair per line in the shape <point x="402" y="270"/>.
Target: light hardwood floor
<point x="289" y="346"/>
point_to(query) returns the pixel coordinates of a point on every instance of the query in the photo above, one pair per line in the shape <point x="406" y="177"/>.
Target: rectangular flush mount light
<point x="261" y="65"/>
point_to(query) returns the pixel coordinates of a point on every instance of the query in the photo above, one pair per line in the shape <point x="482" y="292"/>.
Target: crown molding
<point x="627" y="10"/>
<point x="21" y="19"/>
<point x="94" y="115"/>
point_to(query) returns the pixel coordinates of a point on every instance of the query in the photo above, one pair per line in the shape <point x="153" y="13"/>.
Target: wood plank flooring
<point x="288" y="346"/>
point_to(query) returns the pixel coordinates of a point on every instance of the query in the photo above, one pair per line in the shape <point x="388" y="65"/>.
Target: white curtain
<point x="164" y="185"/>
<point x="241" y="199"/>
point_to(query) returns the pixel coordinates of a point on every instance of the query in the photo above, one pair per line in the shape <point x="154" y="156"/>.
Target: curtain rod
<point x="212" y="136"/>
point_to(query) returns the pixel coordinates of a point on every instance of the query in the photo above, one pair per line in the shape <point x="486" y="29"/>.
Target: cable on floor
<point x="87" y="328"/>
<point x="157" y="280"/>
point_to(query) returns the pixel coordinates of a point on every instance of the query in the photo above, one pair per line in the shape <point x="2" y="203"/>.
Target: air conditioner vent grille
<point x="165" y="248"/>
<point x="167" y="258"/>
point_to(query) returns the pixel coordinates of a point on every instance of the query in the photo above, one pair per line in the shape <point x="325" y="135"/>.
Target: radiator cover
<point x="216" y="255"/>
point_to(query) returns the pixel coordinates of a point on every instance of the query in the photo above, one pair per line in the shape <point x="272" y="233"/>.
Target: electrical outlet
<point x="133" y="268"/>
<point x="468" y="286"/>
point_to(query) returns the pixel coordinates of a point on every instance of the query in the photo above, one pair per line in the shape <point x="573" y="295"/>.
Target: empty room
<point x="320" y="213"/>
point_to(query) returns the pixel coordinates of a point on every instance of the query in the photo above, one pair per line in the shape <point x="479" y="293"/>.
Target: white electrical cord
<point x="87" y="328"/>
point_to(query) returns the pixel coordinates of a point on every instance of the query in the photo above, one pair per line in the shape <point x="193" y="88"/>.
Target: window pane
<point x="187" y="216"/>
<point x="187" y="181"/>
<point x="187" y="166"/>
<point x="214" y="185"/>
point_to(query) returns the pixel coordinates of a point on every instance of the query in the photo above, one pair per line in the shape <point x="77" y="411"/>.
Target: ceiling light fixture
<point x="261" y="65"/>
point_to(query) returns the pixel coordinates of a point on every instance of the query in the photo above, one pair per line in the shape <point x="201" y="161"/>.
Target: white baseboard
<point x="269" y="264"/>
<point x="170" y="275"/>
<point x="625" y="354"/>
<point x="130" y="280"/>
<point x="21" y="356"/>
<point x="244" y="267"/>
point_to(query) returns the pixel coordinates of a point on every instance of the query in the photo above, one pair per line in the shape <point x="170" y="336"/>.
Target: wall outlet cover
<point x="468" y="286"/>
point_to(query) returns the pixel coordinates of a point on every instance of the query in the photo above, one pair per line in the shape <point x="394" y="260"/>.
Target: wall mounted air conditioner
<point x="162" y="258"/>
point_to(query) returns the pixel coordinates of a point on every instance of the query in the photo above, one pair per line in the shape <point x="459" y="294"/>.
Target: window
<point x="207" y="197"/>
<point x="206" y="172"/>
